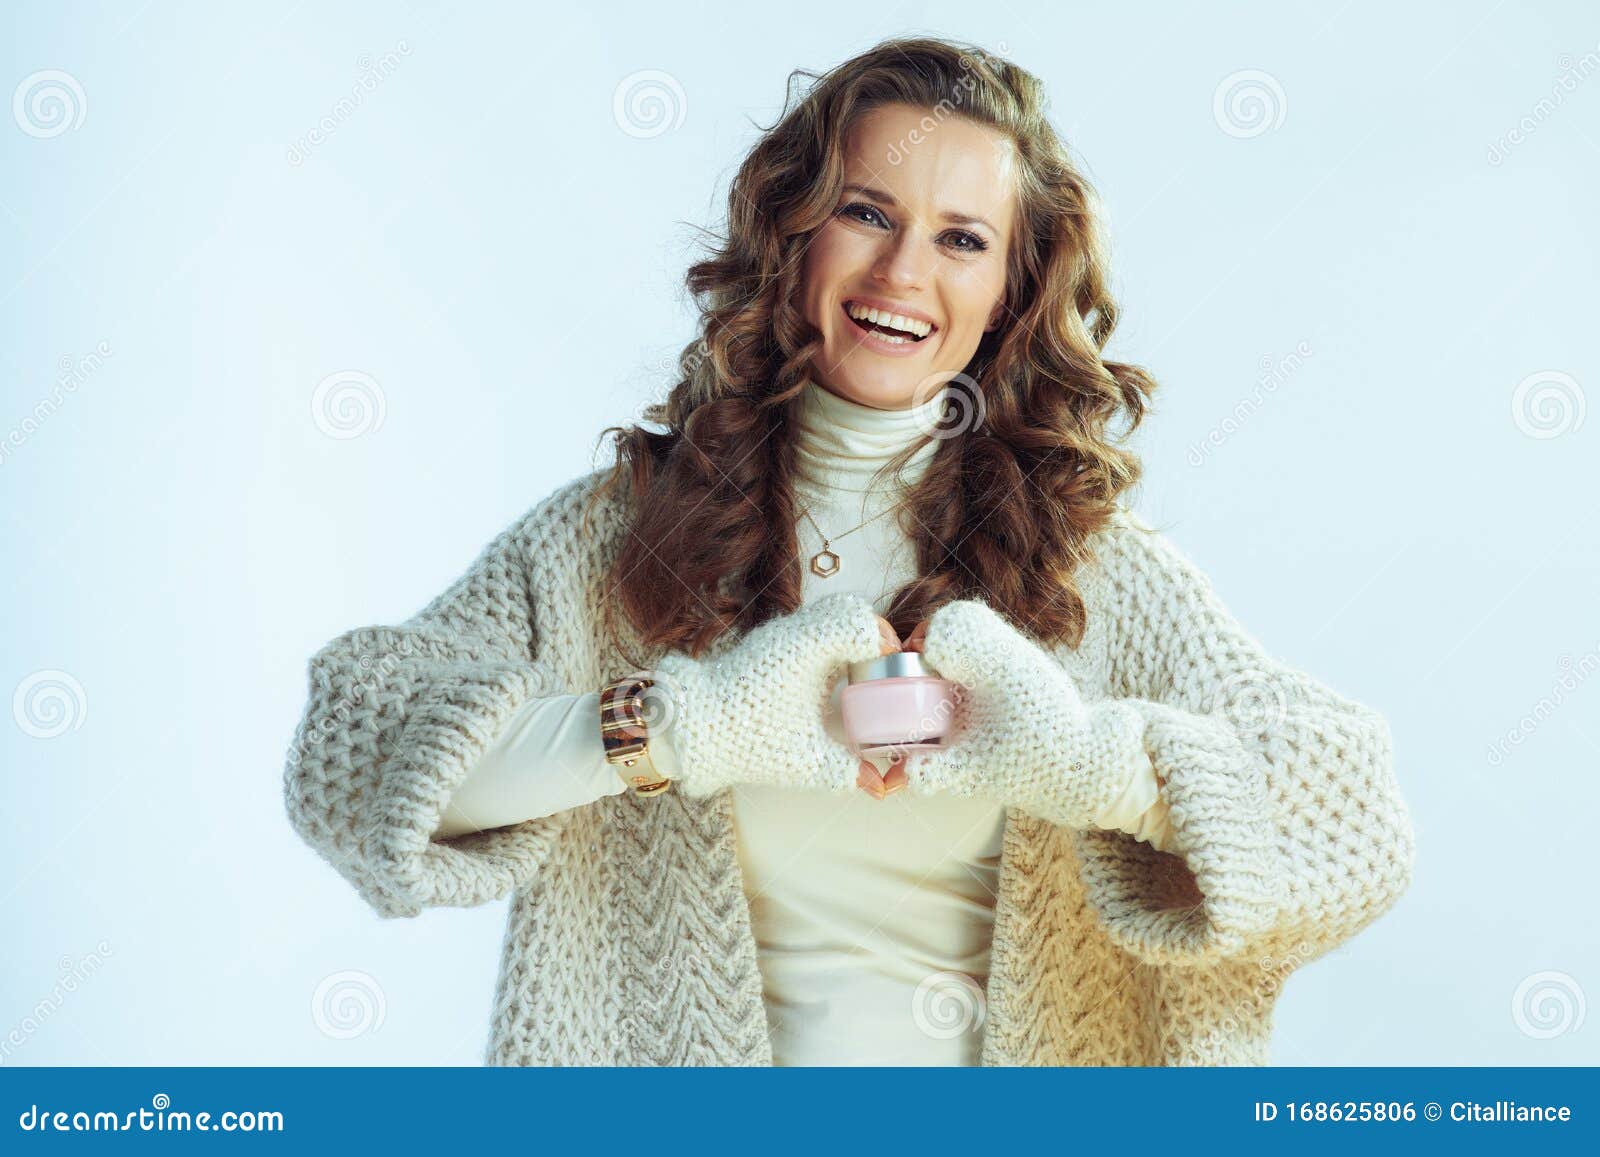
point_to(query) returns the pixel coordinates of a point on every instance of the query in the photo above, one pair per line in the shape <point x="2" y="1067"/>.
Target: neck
<point x="840" y="445"/>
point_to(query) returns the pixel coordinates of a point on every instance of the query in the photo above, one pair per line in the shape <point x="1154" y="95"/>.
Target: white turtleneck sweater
<point x="872" y="917"/>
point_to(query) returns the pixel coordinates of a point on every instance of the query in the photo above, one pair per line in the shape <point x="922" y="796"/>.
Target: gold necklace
<point x="825" y="563"/>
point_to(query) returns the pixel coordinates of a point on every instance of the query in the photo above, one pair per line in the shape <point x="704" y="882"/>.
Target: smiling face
<point x="923" y="242"/>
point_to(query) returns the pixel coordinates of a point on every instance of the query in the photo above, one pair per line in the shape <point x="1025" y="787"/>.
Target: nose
<point x="898" y="263"/>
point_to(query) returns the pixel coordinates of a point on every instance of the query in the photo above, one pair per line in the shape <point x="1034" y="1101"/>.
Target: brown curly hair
<point x="1004" y="512"/>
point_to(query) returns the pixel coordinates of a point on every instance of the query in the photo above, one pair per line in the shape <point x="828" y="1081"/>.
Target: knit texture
<point x="1020" y="732"/>
<point x="629" y="941"/>
<point x="776" y="682"/>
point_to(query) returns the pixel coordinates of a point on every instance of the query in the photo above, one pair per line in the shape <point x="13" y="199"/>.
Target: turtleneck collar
<point x="840" y="444"/>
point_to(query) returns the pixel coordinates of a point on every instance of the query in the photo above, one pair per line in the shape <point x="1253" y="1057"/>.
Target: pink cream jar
<point x="896" y="701"/>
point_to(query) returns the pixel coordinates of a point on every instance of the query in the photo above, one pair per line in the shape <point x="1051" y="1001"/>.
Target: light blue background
<point x="482" y="238"/>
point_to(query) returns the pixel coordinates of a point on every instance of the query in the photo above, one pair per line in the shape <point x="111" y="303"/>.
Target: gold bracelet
<point x="622" y="711"/>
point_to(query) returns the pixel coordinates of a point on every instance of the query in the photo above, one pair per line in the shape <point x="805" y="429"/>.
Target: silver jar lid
<point x="897" y="665"/>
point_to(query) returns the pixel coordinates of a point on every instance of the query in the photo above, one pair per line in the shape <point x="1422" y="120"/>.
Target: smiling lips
<point x="885" y="330"/>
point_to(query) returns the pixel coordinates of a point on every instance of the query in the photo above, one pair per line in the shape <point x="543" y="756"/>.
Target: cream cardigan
<point x="629" y="939"/>
<point x="548" y="757"/>
<point x="872" y="919"/>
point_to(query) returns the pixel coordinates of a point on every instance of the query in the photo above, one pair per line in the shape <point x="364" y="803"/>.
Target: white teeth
<point x="919" y="329"/>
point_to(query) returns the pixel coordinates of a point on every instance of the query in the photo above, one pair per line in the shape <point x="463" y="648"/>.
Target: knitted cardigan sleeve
<point x="396" y="717"/>
<point x="1288" y="830"/>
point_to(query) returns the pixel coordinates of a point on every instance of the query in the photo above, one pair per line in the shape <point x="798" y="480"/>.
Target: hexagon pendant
<point x="825" y="563"/>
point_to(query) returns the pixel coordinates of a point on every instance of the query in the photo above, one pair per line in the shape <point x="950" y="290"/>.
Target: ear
<point x="994" y="318"/>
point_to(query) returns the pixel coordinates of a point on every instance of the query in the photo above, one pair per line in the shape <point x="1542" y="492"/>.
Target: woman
<point x="894" y="425"/>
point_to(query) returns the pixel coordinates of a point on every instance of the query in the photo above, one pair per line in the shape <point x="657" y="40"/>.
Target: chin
<point x="882" y="393"/>
<point x="888" y="387"/>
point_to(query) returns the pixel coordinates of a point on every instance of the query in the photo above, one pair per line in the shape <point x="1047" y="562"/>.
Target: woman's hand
<point x="1023" y="734"/>
<point x="868" y="778"/>
<point x="754" y="713"/>
<point x="880" y="785"/>
<point x="890" y="642"/>
<point x="872" y="782"/>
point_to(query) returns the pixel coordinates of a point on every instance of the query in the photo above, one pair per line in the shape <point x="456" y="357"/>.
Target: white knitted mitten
<point x="1021" y="734"/>
<point x="755" y="714"/>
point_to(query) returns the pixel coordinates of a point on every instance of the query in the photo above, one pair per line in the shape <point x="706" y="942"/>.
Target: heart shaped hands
<point x="1022" y="733"/>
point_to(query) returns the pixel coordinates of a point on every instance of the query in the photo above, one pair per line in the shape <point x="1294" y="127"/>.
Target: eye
<point x="978" y="244"/>
<point x="969" y="242"/>
<point x="856" y="207"/>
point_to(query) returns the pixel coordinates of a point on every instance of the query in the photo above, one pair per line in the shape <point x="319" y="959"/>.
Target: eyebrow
<point x="888" y="200"/>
